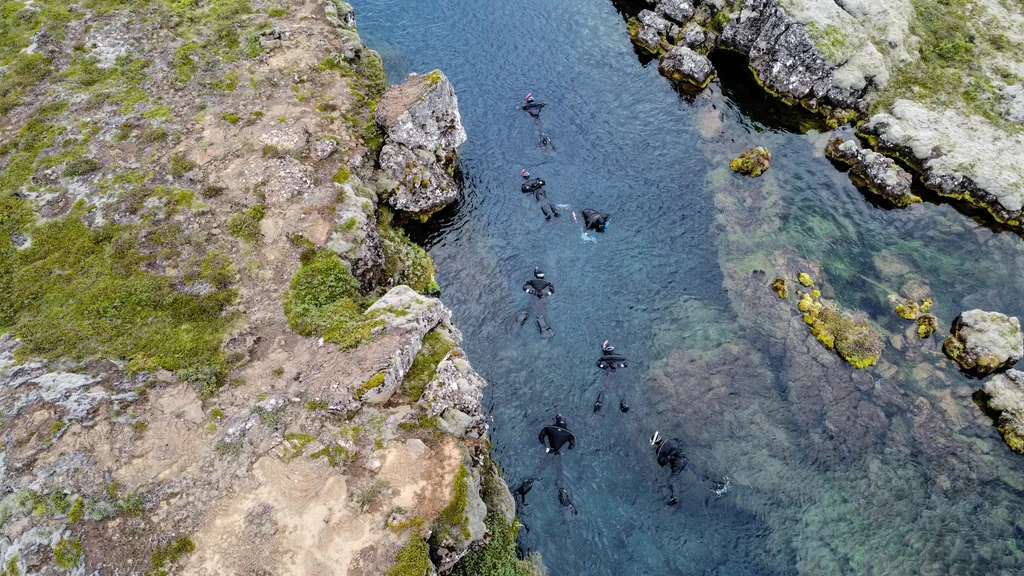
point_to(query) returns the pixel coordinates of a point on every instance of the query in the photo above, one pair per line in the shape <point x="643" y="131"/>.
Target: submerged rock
<point x="1006" y="395"/>
<point x="874" y="171"/>
<point x="752" y="162"/>
<point x="682" y="63"/>
<point x="423" y="128"/>
<point x="780" y="288"/>
<point x="852" y="336"/>
<point x="927" y="324"/>
<point x="985" y="342"/>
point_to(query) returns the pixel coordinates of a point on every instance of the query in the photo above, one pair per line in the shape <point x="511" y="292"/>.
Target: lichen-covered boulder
<point x="409" y="316"/>
<point x="682" y="63"/>
<point x="1006" y="395"/>
<point x="876" y="172"/>
<point x="697" y="38"/>
<point x="752" y="162"/>
<point x="457" y="390"/>
<point x="676" y="10"/>
<point x="985" y="342"/>
<point x="422" y="129"/>
<point x="651" y="31"/>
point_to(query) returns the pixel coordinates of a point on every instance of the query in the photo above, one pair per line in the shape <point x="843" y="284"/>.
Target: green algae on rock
<point x="852" y="336"/>
<point x="752" y="162"/>
<point x="805" y="279"/>
<point x="983" y="342"/>
<point x="927" y="324"/>
<point x="1006" y="396"/>
<point x="780" y="288"/>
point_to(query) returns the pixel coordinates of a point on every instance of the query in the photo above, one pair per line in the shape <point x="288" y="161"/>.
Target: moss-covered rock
<point x="752" y="162"/>
<point x="927" y="324"/>
<point x="780" y="288"/>
<point x="852" y="336"/>
<point x="984" y="342"/>
<point x="1006" y="395"/>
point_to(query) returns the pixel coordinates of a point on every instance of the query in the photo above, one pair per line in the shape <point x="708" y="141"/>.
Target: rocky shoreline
<point x="860" y="63"/>
<point x="253" y="373"/>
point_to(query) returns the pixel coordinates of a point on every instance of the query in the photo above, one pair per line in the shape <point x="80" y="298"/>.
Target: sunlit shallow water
<point x="890" y="471"/>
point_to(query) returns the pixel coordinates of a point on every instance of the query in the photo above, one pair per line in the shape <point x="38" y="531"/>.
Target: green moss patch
<point x="371" y="384"/>
<point x="452" y="522"/>
<point x="68" y="553"/>
<point x="413" y="559"/>
<point x="324" y="300"/>
<point x="246" y="225"/>
<point x="436" y="346"/>
<point x="167" y="554"/>
<point x="498" y="557"/>
<point x="367" y="82"/>
<point x="79" y="292"/>
<point x="404" y="261"/>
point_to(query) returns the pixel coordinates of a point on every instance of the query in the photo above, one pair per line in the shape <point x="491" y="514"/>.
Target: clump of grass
<point x="314" y="405"/>
<point x="436" y="346"/>
<point x="335" y="455"/>
<point x="342" y="175"/>
<point x="67" y="553"/>
<point x="167" y="554"/>
<point x="212" y="191"/>
<point x="229" y="83"/>
<point x="271" y="151"/>
<point x="366" y="497"/>
<point x="413" y="559"/>
<point x="81" y="167"/>
<point x="231" y="118"/>
<point x="295" y="445"/>
<point x="246" y="225"/>
<point x="77" y="511"/>
<point x="181" y="165"/>
<point x="23" y="73"/>
<point x="324" y="300"/>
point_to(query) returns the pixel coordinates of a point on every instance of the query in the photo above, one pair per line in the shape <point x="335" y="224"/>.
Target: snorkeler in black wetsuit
<point x="610" y="363"/>
<point x="535" y="186"/>
<point x="533" y="108"/>
<point x="669" y="453"/>
<point x="553" y="437"/>
<point x="537" y="289"/>
<point x="594" y="220"/>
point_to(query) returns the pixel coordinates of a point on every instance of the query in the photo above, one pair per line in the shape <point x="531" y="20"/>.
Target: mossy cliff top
<point x="190" y="242"/>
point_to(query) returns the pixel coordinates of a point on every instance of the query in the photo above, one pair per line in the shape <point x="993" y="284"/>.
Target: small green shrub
<point x="181" y="165"/>
<point x="77" y="511"/>
<point x="81" y="167"/>
<point x="67" y="553"/>
<point x="168" y="554"/>
<point x="246" y="225"/>
<point x="368" y="496"/>
<point x="413" y="559"/>
<point x="231" y="118"/>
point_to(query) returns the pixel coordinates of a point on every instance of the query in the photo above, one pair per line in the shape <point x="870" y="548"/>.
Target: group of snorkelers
<point x="556" y="436"/>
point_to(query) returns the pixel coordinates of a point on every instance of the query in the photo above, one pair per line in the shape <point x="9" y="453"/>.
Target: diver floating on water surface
<point x="594" y="220"/>
<point x="610" y="363"/>
<point x="669" y="453"/>
<point x="533" y="108"/>
<point x="537" y="289"/>
<point x="553" y="438"/>
<point x="535" y="186"/>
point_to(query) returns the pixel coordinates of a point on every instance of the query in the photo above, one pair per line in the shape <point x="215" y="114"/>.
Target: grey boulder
<point x="985" y="342"/>
<point x="682" y="63"/>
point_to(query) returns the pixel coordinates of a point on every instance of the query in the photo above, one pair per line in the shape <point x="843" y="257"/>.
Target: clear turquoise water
<point x="889" y="471"/>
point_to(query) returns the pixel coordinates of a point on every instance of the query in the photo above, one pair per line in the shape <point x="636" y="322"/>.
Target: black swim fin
<point x="563" y="497"/>
<point x="599" y="402"/>
<point x="545" y="330"/>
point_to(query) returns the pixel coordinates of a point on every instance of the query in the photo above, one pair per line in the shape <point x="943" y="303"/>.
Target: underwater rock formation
<point x="985" y="342"/>
<point x="422" y="126"/>
<point x="874" y="171"/>
<point x="752" y="162"/>
<point x="851" y="335"/>
<point x="682" y="63"/>
<point x="1006" y="395"/>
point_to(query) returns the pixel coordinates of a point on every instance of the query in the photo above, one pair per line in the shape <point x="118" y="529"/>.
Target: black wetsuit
<point x="609" y="364"/>
<point x="533" y="108"/>
<point x="556" y="437"/>
<point x="553" y="438"/>
<point x="594" y="220"/>
<point x="537" y="289"/>
<point x="535" y="186"/>
<point x="670" y="454"/>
